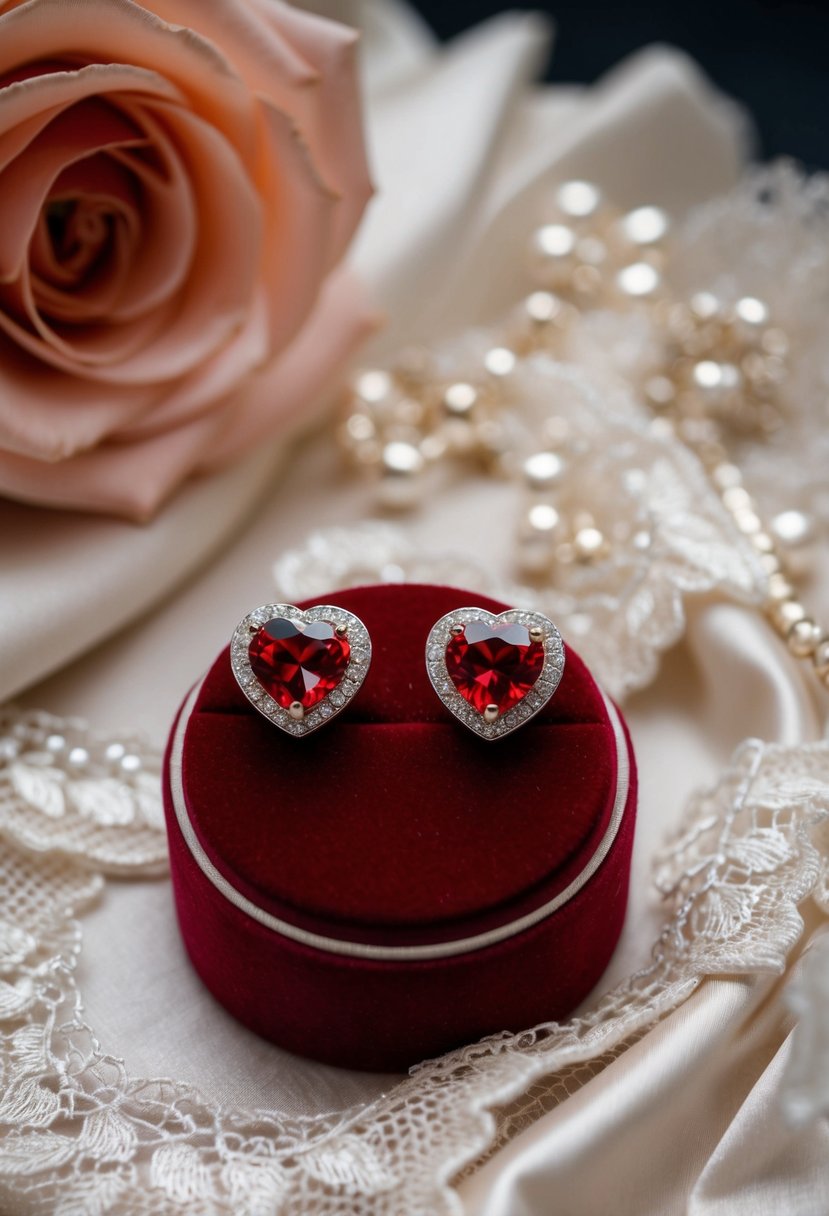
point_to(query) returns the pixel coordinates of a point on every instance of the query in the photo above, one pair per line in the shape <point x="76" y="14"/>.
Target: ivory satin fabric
<point x="464" y="148"/>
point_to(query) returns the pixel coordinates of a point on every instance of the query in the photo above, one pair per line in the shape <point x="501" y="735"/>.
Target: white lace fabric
<point x="81" y="1135"/>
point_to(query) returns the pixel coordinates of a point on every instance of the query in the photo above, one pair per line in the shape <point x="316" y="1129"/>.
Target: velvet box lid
<point x="393" y="886"/>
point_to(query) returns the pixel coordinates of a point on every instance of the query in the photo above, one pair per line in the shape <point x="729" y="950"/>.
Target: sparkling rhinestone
<point x="298" y="662"/>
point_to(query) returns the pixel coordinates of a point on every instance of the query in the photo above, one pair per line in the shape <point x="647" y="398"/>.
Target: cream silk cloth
<point x="123" y="619"/>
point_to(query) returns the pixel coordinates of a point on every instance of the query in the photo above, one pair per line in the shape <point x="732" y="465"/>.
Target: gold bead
<point x="803" y="637"/>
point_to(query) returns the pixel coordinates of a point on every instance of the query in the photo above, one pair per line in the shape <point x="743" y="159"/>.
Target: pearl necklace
<point x="718" y="376"/>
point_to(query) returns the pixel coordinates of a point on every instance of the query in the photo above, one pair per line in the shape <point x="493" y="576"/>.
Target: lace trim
<point x="82" y="1134"/>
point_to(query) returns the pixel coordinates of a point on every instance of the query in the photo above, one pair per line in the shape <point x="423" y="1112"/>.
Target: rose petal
<point x="133" y="479"/>
<point x="49" y="416"/>
<point x="72" y="135"/>
<point x="217" y="293"/>
<point x="280" y="396"/>
<point x="91" y="30"/>
<point x="305" y="66"/>
<point x="210" y="381"/>
<point x="330" y="115"/>
<point x="297" y="244"/>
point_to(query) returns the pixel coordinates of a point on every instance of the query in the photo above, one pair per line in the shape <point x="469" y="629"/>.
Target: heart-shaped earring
<point x="494" y="673"/>
<point x="300" y="668"/>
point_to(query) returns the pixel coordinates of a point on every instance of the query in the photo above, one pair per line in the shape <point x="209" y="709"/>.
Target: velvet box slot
<point x="393" y="886"/>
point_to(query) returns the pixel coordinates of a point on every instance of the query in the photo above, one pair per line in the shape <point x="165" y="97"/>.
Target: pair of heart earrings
<point x="300" y="668"/>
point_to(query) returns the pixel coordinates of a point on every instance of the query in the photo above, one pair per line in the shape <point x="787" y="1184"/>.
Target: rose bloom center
<point x="494" y="664"/>
<point x="297" y="662"/>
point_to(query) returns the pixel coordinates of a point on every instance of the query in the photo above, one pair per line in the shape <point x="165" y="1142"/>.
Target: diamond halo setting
<point x="331" y="677"/>
<point x="492" y="722"/>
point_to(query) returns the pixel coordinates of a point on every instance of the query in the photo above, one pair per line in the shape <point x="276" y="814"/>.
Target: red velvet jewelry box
<point x="394" y="886"/>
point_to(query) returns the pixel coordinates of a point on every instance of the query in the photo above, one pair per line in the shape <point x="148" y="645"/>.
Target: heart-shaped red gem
<point x="493" y="664"/>
<point x="297" y="662"/>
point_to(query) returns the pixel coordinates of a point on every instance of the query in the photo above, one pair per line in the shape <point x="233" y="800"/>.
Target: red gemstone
<point x="494" y="664"/>
<point x="296" y="662"/>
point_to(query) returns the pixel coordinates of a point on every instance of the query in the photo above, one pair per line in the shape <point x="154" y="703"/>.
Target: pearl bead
<point x="499" y="361"/>
<point x="55" y="743"/>
<point x="792" y="528"/>
<point x="373" y="386"/>
<point x="779" y="588"/>
<point x="726" y="476"/>
<point x="589" y="544"/>
<point x="763" y="543"/>
<point x="714" y="377"/>
<point x="578" y="200"/>
<point x="803" y="637"/>
<point x="705" y="305"/>
<point x="747" y="521"/>
<point x="795" y="533"/>
<point x="751" y="312"/>
<point x="785" y="614"/>
<point x="554" y="242"/>
<point x="644" y="226"/>
<point x="543" y="470"/>
<point x="543" y="307"/>
<point x="638" y="281"/>
<point x="543" y="518"/>
<point x="402" y="468"/>
<point x="78" y="757"/>
<point x="114" y="752"/>
<point x="736" y="499"/>
<point x="131" y="763"/>
<point x="460" y="399"/>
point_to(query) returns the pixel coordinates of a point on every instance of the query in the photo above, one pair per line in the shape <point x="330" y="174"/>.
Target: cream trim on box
<point x="433" y="950"/>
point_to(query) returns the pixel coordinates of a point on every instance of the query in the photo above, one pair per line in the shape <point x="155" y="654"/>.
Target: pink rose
<point x="179" y="180"/>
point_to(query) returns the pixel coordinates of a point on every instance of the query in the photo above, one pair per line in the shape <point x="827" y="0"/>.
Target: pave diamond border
<point x="548" y="681"/>
<point x="333" y="702"/>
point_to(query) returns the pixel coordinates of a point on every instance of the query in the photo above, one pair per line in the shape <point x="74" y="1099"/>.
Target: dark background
<point x="773" y="57"/>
